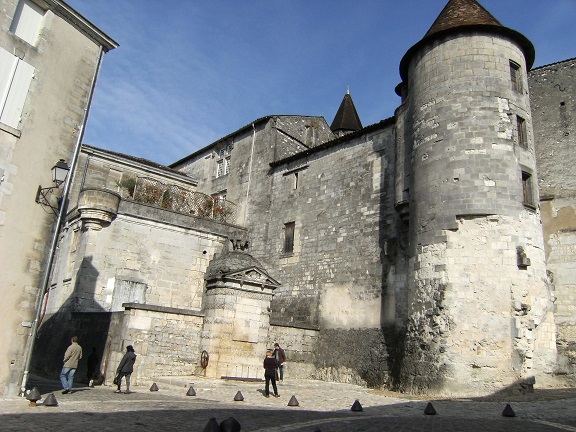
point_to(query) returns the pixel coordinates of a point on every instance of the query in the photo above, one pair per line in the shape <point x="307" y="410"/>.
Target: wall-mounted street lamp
<point x="59" y="173"/>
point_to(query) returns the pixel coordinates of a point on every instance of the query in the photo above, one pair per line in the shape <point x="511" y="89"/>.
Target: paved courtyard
<point x="321" y="406"/>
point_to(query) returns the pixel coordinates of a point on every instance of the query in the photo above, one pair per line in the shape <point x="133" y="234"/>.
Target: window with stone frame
<point x="521" y="132"/>
<point x="220" y="168"/>
<point x="527" y="190"/>
<point x="289" y="237"/>
<point x="515" y="76"/>
<point x="223" y="160"/>
<point x="226" y="165"/>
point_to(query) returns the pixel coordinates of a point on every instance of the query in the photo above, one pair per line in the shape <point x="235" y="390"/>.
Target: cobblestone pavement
<point x="321" y="407"/>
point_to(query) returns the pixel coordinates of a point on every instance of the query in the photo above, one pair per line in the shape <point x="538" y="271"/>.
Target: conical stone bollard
<point x="211" y="426"/>
<point x="239" y="397"/>
<point x="230" y="425"/>
<point x="50" y="400"/>
<point x="293" y="401"/>
<point x="429" y="410"/>
<point x="508" y="411"/>
<point x="191" y="392"/>
<point x="154" y="387"/>
<point x="356" y="406"/>
<point x="34" y="396"/>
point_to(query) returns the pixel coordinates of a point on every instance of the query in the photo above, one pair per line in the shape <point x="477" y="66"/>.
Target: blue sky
<point x="188" y="72"/>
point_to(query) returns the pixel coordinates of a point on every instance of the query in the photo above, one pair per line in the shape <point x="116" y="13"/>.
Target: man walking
<point x="71" y="357"/>
<point x="280" y="359"/>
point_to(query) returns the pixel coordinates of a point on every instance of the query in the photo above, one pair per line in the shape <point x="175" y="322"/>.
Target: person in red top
<point x="270" y="373"/>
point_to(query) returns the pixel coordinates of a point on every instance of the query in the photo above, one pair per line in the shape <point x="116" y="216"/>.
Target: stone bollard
<point x="239" y="397"/>
<point x="211" y="426"/>
<point x="34" y="396"/>
<point x="429" y="410"/>
<point x="230" y="425"/>
<point x="508" y="411"/>
<point x="191" y="392"/>
<point x="50" y="400"/>
<point x="293" y="401"/>
<point x="154" y="387"/>
<point x="356" y="406"/>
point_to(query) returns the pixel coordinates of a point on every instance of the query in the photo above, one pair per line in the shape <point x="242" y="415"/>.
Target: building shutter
<point x="14" y="85"/>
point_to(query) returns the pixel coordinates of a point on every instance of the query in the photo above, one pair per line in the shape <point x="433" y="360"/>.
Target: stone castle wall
<point x="469" y="221"/>
<point x="553" y="98"/>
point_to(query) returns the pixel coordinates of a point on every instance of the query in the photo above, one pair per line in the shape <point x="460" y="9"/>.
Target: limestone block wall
<point x="62" y="62"/>
<point x="301" y="348"/>
<point x="132" y="260"/>
<point x="553" y="99"/>
<point x="235" y="330"/>
<point x="470" y="174"/>
<point x="339" y="277"/>
<point x="166" y="343"/>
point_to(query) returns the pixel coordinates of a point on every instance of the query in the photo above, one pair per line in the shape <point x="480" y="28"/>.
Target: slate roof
<point x="459" y="13"/>
<point x="466" y="15"/>
<point x="347" y="117"/>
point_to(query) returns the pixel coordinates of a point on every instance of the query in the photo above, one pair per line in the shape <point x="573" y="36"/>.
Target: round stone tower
<point x="479" y="309"/>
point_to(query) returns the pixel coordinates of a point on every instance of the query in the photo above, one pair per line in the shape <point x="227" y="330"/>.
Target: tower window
<point x="515" y="76"/>
<point x="289" y="237"/>
<point x="521" y="131"/>
<point x="527" y="191"/>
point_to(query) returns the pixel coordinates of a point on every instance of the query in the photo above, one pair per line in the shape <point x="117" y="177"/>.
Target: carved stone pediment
<point x="253" y="275"/>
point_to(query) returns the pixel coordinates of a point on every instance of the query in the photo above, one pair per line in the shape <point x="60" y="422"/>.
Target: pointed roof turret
<point x="346" y="119"/>
<point x="460" y="15"/>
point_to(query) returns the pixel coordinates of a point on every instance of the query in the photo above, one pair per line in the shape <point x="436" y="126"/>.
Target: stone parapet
<point x="98" y="207"/>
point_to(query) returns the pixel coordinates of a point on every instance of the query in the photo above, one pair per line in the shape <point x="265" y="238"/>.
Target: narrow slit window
<point x="521" y="130"/>
<point x="515" y="76"/>
<point x="289" y="237"/>
<point x="527" y="190"/>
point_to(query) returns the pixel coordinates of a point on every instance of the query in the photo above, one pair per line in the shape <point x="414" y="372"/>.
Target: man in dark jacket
<point x="125" y="369"/>
<point x="280" y="359"/>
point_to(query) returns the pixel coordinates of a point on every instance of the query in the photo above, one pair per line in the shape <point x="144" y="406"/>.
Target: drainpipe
<point x="54" y="243"/>
<point x="249" y="175"/>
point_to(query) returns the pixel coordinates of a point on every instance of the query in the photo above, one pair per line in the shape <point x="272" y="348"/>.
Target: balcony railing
<point x="176" y="198"/>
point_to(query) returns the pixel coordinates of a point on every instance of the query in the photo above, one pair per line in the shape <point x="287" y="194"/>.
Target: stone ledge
<point x="294" y="325"/>
<point x="162" y="309"/>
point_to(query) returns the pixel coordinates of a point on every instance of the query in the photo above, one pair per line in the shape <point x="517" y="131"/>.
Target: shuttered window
<point x="15" y="78"/>
<point x="27" y="21"/>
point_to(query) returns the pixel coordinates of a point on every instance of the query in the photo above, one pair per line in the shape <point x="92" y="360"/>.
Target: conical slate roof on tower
<point x="346" y="119"/>
<point x="460" y="15"/>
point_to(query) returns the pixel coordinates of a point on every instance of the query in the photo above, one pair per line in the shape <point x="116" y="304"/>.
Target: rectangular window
<point x="527" y="194"/>
<point x="289" y="237"/>
<point x="521" y="130"/>
<point x="27" y="21"/>
<point x="515" y="76"/>
<point x="220" y="168"/>
<point x="295" y="182"/>
<point x="15" y="78"/>
<point x="227" y="165"/>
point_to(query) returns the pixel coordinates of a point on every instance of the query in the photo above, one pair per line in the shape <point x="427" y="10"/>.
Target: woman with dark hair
<point x="125" y="369"/>
<point x="270" y="366"/>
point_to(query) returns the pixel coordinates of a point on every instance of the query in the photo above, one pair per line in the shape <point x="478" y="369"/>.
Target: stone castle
<point x="432" y="252"/>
